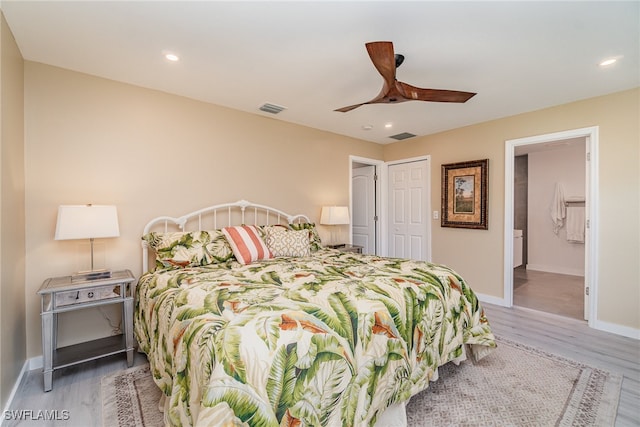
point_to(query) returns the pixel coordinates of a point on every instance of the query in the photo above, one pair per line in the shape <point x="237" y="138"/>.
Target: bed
<point x="260" y="325"/>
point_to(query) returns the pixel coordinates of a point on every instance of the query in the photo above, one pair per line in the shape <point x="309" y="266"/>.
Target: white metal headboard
<point x="209" y="218"/>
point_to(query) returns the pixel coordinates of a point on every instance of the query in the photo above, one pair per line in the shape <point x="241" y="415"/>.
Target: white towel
<point x="558" y="209"/>
<point x="575" y="224"/>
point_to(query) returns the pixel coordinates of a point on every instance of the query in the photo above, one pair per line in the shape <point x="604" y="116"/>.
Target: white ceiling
<point x="310" y="56"/>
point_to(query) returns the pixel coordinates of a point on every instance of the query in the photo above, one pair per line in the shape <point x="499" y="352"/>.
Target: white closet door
<point x="408" y="210"/>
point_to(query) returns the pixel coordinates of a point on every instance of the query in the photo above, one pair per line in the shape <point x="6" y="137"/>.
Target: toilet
<point x="518" y="241"/>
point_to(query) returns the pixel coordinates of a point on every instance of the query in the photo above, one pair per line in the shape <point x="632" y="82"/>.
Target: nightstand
<point x="348" y="248"/>
<point x="63" y="294"/>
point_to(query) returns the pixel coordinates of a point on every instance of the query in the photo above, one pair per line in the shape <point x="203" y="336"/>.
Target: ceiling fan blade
<point x="383" y="58"/>
<point x="433" y="95"/>
<point x="379" y="98"/>
<point x="349" y="108"/>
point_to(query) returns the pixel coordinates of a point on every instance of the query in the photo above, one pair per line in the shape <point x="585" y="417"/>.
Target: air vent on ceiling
<point x="272" y="108"/>
<point x="403" y="135"/>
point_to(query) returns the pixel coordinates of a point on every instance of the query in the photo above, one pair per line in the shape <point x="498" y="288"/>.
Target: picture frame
<point x="465" y="194"/>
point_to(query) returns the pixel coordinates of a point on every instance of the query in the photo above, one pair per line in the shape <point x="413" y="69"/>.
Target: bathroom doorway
<point x="549" y="268"/>
<point x="548" y="260"/>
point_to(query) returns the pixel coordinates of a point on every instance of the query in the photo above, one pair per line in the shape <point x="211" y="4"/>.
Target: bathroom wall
<point x="546" y="250"/>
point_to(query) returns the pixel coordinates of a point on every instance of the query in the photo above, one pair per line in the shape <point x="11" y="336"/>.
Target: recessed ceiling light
<point x="367" y="127"/>
<point x="171" y="57"/>
<point x="609" y="61"/>
<point x="388" y="125"/>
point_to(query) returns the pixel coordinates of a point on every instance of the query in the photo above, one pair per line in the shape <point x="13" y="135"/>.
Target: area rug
<point x="516" y="385"/>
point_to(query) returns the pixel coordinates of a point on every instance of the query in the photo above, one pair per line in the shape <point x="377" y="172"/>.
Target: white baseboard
<point x="489" y="299"/>
<point x="613" y="328"/>
<point x="14" y="389"/>
<point x="555" y="269"/>
<point x="35" y="363"/>
<point x="29" y="365"/>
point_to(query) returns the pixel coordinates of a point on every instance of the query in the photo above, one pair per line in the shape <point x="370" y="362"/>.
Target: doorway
<point x="549" y="256"/>
<point x="589" y="138"/>
<point x="417" y="210"/>
<point x="364" y="215"/>
<point x="366" y="201"/>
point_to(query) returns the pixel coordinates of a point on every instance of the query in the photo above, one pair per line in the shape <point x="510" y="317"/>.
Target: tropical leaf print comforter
<point x="327" y="340"/>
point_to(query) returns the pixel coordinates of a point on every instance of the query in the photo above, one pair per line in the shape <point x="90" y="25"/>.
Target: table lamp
<point x="87" y="222"/>
<point x="334" y="215"/>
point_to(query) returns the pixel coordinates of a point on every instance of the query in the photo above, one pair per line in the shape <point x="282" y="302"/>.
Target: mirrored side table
<point x="64" y="294"/>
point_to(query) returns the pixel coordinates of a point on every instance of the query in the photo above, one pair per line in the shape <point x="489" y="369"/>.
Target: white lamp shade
<point x="334" y="215"/>
<point x="86" y="222"/>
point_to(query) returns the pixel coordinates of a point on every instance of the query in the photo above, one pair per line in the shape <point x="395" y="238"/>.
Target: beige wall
<point x="478" y="255"/>
<point x="91" y="140"/>
<point x="12" y="229"/>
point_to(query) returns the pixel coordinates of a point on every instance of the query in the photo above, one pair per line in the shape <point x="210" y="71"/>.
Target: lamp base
<point x="87" y="276"/>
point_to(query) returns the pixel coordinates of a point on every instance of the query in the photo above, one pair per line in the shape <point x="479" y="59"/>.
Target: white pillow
<point x="283" y="242"/>
<point x="246" y="243"/>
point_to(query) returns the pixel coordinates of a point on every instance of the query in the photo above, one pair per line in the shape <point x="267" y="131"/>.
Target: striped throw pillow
<point x="246" y="243"/>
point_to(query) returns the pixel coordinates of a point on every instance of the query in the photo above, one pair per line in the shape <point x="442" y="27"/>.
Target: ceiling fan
<point x="393" y="91"/>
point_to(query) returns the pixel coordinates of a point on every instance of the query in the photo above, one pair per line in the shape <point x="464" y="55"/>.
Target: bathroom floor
<point x="560" y="294"/>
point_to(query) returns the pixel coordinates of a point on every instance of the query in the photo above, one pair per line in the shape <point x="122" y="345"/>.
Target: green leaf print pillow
<point x="189" y="248"/>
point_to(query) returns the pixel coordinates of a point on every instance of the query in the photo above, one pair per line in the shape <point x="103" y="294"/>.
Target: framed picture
<point x="465" y="194"/>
